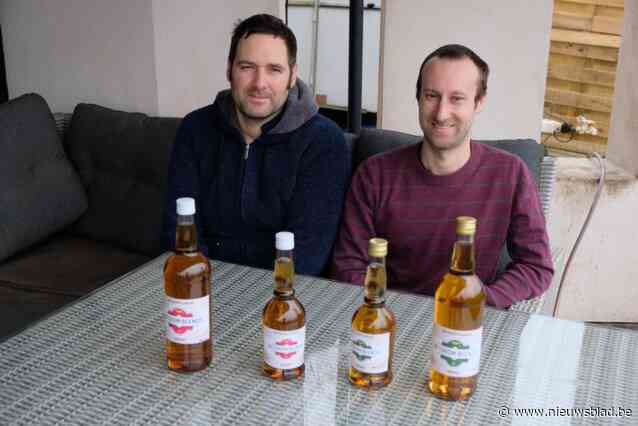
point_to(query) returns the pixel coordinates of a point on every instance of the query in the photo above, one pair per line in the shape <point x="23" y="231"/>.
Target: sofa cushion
<point x="67" y="265"/>
<point x="19" y="308"/>
<point x="373" y="141"/>
<point x="40" y="192"/>
<point x="122" y="159"/>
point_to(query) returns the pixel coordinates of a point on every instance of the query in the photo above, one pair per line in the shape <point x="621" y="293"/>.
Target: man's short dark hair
<point x="458" y="51"/>
<point x="263" y="24"/>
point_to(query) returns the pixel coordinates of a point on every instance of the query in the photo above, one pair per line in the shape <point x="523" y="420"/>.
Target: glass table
<point x="101" y="360"/>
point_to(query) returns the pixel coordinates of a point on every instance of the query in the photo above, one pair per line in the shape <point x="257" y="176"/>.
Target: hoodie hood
<point x="299" y="108"/>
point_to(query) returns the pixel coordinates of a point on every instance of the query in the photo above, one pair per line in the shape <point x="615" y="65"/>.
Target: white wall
<point x="512" y="36"/>
<point x="154" y="56"/>
<point x="600" y="283"/>
<point x="72" y="51"/>
<point x="191" y="49"/>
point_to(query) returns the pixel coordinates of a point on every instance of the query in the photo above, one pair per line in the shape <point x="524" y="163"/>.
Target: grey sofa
<point x="81" y="197"/>
<point x="78" y="211"/>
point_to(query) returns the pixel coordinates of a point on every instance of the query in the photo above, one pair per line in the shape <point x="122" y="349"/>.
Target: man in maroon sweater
<point x="412" y="195"/>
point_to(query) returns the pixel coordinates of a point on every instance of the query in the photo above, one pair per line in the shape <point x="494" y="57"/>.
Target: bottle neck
<point x="375" y="282"/>
<point x="186" y="234"/>
<point x="463" y="262"/>
<point x="284" y="274"/>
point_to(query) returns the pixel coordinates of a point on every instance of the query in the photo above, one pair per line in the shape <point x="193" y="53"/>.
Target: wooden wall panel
<point x="581" y="73"/>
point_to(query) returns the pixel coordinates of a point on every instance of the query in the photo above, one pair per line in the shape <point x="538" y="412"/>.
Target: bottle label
<point x="370" y="352"/>
<point x="187" y="320"/>
<point x="456" y="353"/>
<point x="284" y="349"/>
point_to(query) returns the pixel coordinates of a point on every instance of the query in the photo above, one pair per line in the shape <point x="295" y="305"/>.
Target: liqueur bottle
<point x="457" y="331"/>
<point x="284" y="318"/>
<point x="187" y="304"/>
<point x="373" y="326"/>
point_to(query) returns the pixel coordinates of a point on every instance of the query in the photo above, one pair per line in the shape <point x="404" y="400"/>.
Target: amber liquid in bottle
<point x="187" y="276"/>
<point x="284" y="313"/>
<point x="373" y="318"/>
<point x="458" y="306"/>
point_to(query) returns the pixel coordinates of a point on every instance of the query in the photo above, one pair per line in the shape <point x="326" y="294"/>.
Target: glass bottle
<point x="457" y="330"/>
<point x="373" y="326"/>
<point x="187" y="308"/>
<point x="284" y="318"/>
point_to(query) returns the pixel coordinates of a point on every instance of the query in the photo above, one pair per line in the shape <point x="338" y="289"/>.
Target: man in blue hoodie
<point x="260" y="159"/>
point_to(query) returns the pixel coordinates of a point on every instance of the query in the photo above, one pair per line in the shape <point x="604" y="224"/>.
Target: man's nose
<point x="260" y="78"/>
<point x="442" y="110"/>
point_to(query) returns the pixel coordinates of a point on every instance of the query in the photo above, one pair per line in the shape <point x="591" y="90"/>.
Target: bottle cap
<point x="465" y="225"/>
<point x="185" y="206"/>
<point x="284" y="240"/>
<point x="378" y="247"/>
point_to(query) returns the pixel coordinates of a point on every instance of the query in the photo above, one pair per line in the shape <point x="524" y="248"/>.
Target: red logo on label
<point x="180" y="330"/>
<point x="285" y="355"/>
<point x="177" y="312"/>
<point x="286" y="342"/>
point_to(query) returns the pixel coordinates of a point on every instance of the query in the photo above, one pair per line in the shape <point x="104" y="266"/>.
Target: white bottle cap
<point x="185" y="206"/>
<point x="284" y="240"/>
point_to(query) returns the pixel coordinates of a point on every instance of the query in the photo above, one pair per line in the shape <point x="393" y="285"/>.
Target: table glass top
<point x="102" y="360"/>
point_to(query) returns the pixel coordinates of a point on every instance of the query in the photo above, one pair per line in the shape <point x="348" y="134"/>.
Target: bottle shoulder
<point x="284" y="313"/>
<point x="374" y="319"/>
<point x="466" y="288"/>
<point x="187" y="265"/>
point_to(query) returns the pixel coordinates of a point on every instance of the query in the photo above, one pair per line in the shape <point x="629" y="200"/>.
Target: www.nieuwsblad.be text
<point x="505" y="411"/>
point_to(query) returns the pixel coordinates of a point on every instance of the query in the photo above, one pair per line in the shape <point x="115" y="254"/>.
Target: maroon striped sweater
<point x="393" y="196"/>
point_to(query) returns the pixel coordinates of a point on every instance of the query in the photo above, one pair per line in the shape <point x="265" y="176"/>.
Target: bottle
<point x="284" y="318"/>
<point x="187" y="308"/>
<point x="457" y="331"/>
<point x="373" y="326"/>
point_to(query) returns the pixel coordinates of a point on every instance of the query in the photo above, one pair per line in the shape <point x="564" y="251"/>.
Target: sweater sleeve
<point x="182" y="182"/>
<point x="530" y="272"/>
<point x="315" y="209"/>
<point x="350" y="258"/>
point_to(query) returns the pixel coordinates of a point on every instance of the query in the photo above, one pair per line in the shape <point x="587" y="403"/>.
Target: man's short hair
<point x="458" y="51"/>
<point x="263" y="24"/>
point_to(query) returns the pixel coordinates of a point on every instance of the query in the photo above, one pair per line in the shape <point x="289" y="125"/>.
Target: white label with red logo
<point x="284" y="349"/>
<point x="370" y="352"/>
<point x="187" y="320"/>
<point x="456" y="353"/>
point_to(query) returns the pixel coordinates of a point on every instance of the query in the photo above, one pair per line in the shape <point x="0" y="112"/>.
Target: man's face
<point x="260" y="77"/>
<point x="447" y="102"/>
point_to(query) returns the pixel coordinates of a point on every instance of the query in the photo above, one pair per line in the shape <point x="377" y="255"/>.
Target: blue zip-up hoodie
<point x="291" y="178"/>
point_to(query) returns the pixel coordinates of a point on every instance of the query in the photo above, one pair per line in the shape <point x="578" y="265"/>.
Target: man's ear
<point x="229" y="68"/>
<point x="293" y="77"/>
<point x="479" y="103"/>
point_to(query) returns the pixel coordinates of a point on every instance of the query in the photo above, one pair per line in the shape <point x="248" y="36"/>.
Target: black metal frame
<point x="4" y="91"/>
<point x="355" y="66"/>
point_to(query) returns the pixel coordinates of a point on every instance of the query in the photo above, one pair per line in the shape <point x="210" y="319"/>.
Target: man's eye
<point x="430" y="96"/>
<point x="245" y="67"/>
<point x="277" y="70"/>
<point x="457" y="99"/>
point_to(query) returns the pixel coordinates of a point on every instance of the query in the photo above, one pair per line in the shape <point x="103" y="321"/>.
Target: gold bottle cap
<point x="465" y="225"/>
<point x="378" y="247"/>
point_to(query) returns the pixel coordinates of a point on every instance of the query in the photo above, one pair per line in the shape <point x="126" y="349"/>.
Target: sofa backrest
<point x="122" y="159"/>
<point x="373" y="141"/>
<point x="40" y="193"/>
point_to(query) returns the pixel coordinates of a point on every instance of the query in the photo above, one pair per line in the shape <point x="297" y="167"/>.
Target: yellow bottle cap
<point x="378" y="247"/>
<point x="465" y="225"/>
